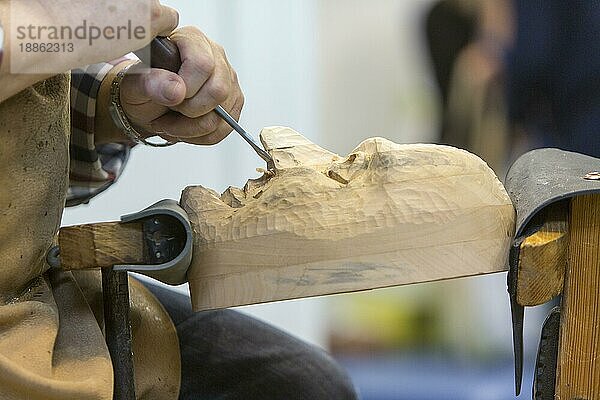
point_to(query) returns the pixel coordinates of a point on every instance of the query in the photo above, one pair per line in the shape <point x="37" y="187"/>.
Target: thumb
<point x="155" y="85"/>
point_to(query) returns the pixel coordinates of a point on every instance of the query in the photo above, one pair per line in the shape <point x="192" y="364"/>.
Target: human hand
<point x="179" y="107"/>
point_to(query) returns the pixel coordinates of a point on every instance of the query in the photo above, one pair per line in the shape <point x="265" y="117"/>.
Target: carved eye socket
<point x="337" y="177"/>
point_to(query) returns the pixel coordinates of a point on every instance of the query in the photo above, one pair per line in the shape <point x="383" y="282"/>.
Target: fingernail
<point x="170" y="90"/>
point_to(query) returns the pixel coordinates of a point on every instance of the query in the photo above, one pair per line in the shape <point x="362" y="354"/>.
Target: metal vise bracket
<point x="168" y="242"/>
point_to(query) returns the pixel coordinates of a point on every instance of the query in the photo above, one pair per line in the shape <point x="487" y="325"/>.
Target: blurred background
<point x="478" y="74"/>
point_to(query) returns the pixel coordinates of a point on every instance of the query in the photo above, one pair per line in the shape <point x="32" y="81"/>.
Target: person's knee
<point x="325" y="379"/>
<point x="231" y="356"/>
<point x="305" y="373"/>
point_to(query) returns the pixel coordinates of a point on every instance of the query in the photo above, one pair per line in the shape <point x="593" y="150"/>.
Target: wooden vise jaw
<point x="156" y="242"/>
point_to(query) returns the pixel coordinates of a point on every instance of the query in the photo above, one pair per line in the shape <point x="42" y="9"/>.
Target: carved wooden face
<point x="318" y="222"/>
<point x="315" y="193"/>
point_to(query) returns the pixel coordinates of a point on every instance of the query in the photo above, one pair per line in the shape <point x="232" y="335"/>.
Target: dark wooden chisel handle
<point x="163" y="54"/>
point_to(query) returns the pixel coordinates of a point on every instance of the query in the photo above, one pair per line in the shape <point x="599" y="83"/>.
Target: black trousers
<point x="227" y="355"/>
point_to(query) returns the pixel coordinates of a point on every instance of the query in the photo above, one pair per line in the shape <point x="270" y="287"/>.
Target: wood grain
<point x="543" y="259"/>
<point x="578" y="375"/>
<point x="101" y="245"/>
<point x="318" y="223"/>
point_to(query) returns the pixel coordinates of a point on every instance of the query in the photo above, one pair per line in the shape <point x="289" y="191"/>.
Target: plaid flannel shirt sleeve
<point x="93" y="168"/>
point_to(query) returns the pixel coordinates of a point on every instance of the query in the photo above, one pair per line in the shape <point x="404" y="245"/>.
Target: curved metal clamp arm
<point x="168" y="242"/>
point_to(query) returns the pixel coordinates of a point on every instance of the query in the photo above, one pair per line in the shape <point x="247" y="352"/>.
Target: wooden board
<point x="578" y="371"/>
<point x="318" y="223"/>
<point x="101" y="245"/>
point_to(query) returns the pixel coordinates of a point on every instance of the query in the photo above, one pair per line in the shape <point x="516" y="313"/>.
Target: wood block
<point x="317" y="223"/>
<point x="543" y="259"/>
<point x="578" y="370"/>
<point x="101" y="245"/>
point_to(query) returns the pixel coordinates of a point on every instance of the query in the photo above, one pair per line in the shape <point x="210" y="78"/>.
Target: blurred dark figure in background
<point x="553" y="76"/>
<point x="467" y="42"/>
<point x="450" y="26"/>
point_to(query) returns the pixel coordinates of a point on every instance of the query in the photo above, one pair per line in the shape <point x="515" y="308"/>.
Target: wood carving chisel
<point x="164" y="54"/>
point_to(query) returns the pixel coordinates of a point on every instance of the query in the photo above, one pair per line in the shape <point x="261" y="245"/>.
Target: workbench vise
<point x="556" y="253"/>
<point x="156" y="242"/>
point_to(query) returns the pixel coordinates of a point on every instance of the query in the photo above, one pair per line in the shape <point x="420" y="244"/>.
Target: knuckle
<point x="166" y="16"/>
<point x="203" y="65"/>
<point x="192" y="30"/>
<point x="218" y="91"/>
<point x="158" y="11"/>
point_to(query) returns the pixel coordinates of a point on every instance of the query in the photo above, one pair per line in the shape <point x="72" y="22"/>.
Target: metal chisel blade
<point x="247" y="137"/>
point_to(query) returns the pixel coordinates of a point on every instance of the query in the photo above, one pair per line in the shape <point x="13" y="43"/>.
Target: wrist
<point x="120" y="117"/>
<point x="106" y="131"/>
